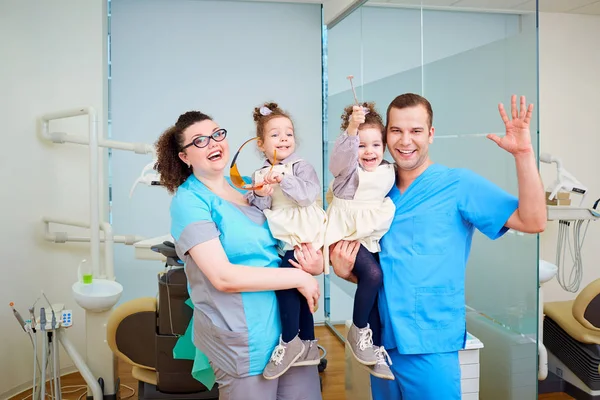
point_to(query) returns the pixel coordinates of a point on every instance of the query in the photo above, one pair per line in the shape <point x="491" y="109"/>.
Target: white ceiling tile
<point x="593" y="9"/>
<point x="527" y="6"/>
<point x="403" y="2"/>
<point x="489" y="4"/>
<point x="438" y="3"/>
<point x="555" y="6"/>
<point x="558" y="6"/>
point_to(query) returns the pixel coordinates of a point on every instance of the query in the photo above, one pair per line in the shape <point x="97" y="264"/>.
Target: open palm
<point x="517" y="139"/>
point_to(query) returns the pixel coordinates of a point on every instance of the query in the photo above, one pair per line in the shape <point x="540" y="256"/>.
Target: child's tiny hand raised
<point x="357" y="118"/>
<point x="273" y="177"/>
<point x="264" y="191"/>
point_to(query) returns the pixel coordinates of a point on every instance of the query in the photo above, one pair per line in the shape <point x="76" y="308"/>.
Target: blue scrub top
<point x="424" y="256"/>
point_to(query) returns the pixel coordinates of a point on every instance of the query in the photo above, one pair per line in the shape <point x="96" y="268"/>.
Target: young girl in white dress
<point x="359" y="209"/>
<point x="291" y="203"/>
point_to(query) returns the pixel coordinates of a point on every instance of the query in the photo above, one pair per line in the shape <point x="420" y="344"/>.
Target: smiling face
<point x="409" y="136"/>
<point x="370" y="148"/>
<point x="278" y="134"/>
<point x="211" y="159"/>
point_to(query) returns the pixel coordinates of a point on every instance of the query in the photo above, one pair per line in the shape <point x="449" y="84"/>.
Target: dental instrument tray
<point x="569" y="213"/>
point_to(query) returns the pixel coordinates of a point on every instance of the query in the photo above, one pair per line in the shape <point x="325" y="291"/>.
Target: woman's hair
<point x="372" y="119"/>
<point x="173" y="171"/>
<point x="264" y="114"/>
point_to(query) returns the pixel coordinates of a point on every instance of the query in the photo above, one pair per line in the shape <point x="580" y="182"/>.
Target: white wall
<point x="52" y="59"/>
<point x="569" y="120"/>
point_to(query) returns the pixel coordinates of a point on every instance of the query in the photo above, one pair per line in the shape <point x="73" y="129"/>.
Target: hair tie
<point x="264" y="111"/>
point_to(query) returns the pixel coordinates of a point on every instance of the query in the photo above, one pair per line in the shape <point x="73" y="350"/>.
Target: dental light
<point x="564" y="182"/>
<point x="149" y="176"/>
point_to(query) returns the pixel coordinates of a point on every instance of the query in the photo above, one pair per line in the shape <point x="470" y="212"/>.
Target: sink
<point x="547" y="271"/>
<point x="98" y="296"/>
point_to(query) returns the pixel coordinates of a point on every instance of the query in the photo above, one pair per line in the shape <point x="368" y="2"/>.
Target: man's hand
<point x="343" y="255"/>
<point x="517" y="139"/>
<point x="309" y="259"/>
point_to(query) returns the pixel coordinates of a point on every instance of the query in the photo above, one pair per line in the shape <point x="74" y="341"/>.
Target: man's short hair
<point x="410" y="100"/>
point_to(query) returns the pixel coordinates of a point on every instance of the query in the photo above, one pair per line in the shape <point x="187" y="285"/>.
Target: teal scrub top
<point x="236" y="331"/>
<point x="425" y="252"/>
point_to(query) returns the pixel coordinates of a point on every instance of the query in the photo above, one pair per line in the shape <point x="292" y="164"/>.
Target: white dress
<point x="366" y="217"/>
<point x="290" y="223"/>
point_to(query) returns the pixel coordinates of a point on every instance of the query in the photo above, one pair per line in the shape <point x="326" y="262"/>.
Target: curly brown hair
<point x="372" y="119"/>
<point x="173" y="171"/>
<point x="261" y="120"/>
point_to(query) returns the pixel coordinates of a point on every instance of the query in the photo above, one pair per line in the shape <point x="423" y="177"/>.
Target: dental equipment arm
<point x="564" y="181"/>
<point x="148" y="176"/>
<point x="531" y="215"/>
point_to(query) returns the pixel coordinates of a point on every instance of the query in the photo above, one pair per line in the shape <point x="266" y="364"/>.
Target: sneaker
<point x="310" y="356"/>
<point x="282" y="358"/>
<point x="382" y="369"/>
<point x="361" y="344"/>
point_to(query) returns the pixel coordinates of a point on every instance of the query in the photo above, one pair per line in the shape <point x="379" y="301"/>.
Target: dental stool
<point x="143" y="332"/>
<point x="572" y="336"/>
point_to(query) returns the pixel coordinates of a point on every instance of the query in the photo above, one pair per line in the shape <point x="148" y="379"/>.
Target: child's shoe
<point x="283" y="356"/>
<point x="311" y="354"/>
<point x="382" y="369"/>
<point x="361" y="344"/>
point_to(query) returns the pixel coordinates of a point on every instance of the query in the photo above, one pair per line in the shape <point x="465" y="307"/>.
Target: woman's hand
<point x="264" y="191"/>
<point x="357" y="118"/>
<point x="309" y="288"/>
<point x="343" y="255"/>
<point x="309" y="259"/>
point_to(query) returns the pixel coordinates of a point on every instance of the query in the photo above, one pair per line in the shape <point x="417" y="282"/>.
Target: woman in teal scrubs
<point x="231" y="263"/>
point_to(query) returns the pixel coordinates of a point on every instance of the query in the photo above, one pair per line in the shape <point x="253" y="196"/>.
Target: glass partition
<point x="465" y="62"/>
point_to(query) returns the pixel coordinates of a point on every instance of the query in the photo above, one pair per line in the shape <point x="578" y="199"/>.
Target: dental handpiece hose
<point x="35" y="362"/>
<point x="57" y="390"/>
<point x="23" y="324"/>
<point x="18" y="317"/>
<point x="44" y="353"/>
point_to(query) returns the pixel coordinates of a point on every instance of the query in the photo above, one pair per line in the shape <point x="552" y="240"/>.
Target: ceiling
<point x="591" y="7"/>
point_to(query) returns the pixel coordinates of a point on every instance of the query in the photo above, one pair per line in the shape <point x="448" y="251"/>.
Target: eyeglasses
<point x="235" y="176"/>
<point x="202" y="141"/>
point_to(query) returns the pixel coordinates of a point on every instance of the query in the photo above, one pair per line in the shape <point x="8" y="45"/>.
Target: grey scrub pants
<point x="298" y="383"/>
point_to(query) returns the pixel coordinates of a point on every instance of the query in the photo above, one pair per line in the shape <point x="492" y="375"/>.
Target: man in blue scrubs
<point x="424" y="254"/>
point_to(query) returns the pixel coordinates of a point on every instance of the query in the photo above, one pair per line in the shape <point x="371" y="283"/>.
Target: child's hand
<point x="273" y="177"/>
<point x="357" y="118"/>
<point x="264" y="191"/>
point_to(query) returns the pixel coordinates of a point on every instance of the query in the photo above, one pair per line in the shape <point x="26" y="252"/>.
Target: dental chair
<point x="143" y="332"/>
<point x="572" y="337"/>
